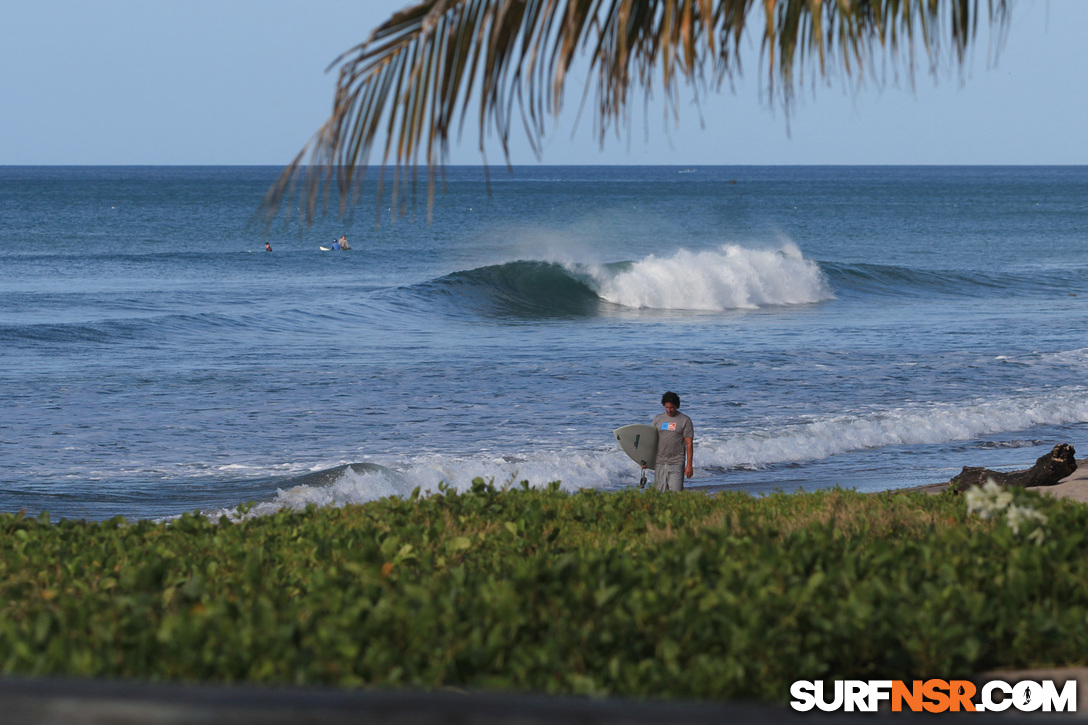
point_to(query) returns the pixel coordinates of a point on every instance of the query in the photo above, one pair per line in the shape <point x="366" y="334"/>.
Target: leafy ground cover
<point x="634" y="594"/>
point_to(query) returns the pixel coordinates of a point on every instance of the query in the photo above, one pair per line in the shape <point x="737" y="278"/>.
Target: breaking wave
<point x="728" y="278"/>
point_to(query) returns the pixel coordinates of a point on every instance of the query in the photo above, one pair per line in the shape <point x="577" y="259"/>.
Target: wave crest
<point x="728" y="278"/>
<point x="519" y="289"/>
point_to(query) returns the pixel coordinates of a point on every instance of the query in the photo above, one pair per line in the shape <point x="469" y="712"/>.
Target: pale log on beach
<point x="1047" y="471"/>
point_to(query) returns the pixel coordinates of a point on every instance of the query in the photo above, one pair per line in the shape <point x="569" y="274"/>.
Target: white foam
<point x="731" y="277"/>
<point x="918" y="425"/>
<point x="1070" y="358"/>
<point x="576" y="470"/>
<point x="1063" y="358"/>
<point x="349" y="488"/>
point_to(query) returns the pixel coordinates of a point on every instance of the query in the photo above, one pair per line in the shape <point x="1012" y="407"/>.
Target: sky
<point x="245" y="82"/>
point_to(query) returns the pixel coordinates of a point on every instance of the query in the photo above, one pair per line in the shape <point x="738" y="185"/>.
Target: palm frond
<point x="401" y="92"/>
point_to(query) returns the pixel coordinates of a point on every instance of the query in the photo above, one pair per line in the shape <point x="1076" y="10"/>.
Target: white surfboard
<point x="640" y="442"/>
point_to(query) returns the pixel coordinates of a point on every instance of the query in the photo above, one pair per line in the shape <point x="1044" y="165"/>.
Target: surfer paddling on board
<point x="675" y="445"/>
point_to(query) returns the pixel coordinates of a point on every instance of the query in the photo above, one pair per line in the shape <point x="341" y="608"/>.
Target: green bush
<point x="675" y="595"/>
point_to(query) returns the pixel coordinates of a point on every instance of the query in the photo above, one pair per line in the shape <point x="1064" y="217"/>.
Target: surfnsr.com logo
<point x="933" y="696"/>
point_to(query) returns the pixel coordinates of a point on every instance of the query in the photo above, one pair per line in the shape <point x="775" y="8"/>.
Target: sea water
<point x="870" y="328"/>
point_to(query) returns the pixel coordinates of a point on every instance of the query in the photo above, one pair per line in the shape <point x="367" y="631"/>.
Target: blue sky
<point x="244" y="82"/>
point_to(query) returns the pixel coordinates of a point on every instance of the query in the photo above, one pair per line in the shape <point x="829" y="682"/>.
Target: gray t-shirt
<point x="671" y="433"/>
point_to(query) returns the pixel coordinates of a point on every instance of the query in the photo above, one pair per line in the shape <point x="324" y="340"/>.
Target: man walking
<point x="675" y="445"/>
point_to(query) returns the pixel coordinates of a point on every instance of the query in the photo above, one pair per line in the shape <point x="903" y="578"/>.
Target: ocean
<point x="862" y="327"/>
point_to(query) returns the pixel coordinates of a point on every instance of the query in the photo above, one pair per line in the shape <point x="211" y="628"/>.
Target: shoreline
<point x="1074" y="486"/>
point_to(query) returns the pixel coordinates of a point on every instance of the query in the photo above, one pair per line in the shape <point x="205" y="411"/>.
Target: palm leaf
<point x="401" y="92"/>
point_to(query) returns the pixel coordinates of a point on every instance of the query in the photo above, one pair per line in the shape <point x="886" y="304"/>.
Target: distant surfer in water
<point x="344" y="242"/>
<point x="675" y="445"/>
<point x="335" y="246"/>
<point x="267" y="247"/>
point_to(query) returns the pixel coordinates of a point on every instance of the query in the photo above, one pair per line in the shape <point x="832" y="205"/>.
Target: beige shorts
<point x="669" y="477"/>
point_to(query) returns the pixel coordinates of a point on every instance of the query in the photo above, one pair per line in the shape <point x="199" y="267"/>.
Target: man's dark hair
<point x="671" y="397"/>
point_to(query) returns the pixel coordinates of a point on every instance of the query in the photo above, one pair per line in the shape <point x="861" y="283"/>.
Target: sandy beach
<point x="1074" y="486"/>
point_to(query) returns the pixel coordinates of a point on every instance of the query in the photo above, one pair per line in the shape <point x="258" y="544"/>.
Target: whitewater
<point x="729" y="278"/>
<point x="870" y="328"/>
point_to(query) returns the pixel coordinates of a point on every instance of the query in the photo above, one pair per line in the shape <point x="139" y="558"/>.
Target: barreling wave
<point x="729" y="278"/>
<point x="523" y="289"/>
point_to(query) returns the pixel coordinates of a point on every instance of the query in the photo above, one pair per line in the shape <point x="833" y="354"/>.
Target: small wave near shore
<point x="719" y="452"/>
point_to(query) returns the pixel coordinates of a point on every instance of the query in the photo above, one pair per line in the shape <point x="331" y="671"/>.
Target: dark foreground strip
<point x="112" y="702"/>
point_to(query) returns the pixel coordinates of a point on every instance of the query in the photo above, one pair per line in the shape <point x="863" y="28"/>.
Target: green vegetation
<point x="681" y="595"/>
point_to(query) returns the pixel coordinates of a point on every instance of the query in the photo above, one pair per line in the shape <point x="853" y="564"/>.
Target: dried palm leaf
<point x="401" y="92"/>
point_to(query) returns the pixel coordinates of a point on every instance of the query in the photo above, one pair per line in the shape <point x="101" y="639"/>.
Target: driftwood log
<point x="1047" y="471"/>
